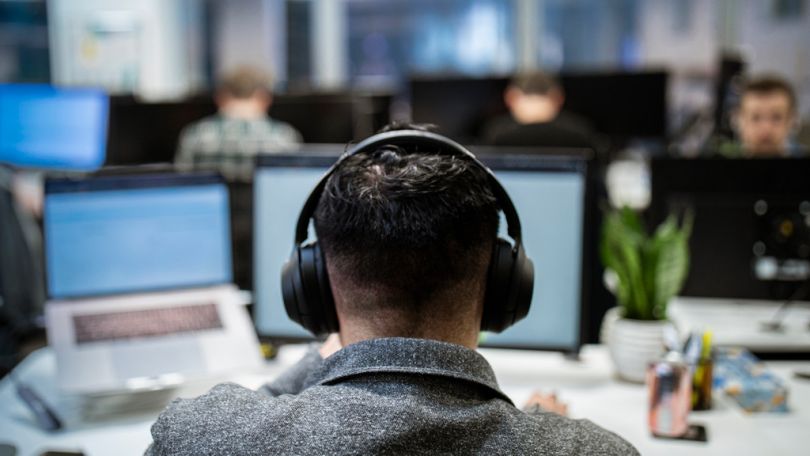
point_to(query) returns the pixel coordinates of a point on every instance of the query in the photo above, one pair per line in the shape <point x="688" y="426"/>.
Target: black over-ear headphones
<point x="305" y="283"/>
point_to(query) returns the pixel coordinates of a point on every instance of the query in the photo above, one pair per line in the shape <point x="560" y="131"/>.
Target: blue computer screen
<point x="50" y="128"/>
<point x="551" y="207"/>
<point x="136" y="239"/>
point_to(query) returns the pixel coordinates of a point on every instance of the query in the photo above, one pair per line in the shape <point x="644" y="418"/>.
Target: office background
<point x="170" y="49"/>
<point x="356" y="64"/>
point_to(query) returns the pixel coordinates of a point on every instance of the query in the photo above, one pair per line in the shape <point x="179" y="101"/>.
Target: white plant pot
<point x="632" y="344"/>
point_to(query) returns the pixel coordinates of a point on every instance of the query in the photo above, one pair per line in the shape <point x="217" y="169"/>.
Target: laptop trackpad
<point x="147" y="360"/>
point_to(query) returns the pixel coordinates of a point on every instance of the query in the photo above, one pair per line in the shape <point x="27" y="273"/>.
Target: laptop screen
<point x="127" y="234"/>
<point x="52" y="128"/>
<point x="548" y="192"/>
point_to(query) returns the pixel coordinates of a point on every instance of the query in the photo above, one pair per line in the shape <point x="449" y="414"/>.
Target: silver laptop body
<point x="139" y="280"/>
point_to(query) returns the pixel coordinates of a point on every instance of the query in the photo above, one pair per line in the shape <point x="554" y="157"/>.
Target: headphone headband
<point x="410" y="138"/>
<point x="306" y="290"/>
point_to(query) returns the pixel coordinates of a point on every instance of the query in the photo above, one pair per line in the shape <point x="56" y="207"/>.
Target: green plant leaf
<point x="650" y="269"/>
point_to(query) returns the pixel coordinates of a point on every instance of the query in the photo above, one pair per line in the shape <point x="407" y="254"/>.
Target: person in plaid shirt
<point x="229" y="141"/>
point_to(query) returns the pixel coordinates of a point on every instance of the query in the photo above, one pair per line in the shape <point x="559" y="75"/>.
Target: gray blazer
<point x="381" y="396"/>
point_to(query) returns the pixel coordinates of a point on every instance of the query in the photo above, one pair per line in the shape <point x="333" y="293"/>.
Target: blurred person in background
<point x="535" y="101"/>
<point x="230" y="140"/>
<point x="766" y="119"/>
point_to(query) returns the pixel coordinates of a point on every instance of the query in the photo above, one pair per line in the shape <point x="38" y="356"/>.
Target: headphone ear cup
<point x="510" y="285"/>
<point x="306" y="291"/>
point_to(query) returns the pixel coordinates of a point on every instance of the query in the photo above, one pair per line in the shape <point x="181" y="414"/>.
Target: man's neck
<point x="243" y="109"/>
<point x="352" y="331"/>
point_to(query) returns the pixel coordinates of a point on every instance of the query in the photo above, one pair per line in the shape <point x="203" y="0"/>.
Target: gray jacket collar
<point x="403" y="355"/>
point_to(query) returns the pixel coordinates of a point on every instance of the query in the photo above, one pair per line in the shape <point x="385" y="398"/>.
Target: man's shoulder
<point x="580" y="436"/>
<point x="209" y="123"/>
<point x="284" y="129"/>
<point x="218" y="419"/>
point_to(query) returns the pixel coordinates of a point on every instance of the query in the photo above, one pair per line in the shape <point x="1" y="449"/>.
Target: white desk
<point x="588" y="386"/>
<point x="738" y="322"/>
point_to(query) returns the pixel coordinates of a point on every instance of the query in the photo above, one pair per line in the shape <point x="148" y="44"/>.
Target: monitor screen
<point x="129" y="234"/>
<point x="549" y="194"/>
<point x="751" y="233"/>
<point x="52" y="128"/>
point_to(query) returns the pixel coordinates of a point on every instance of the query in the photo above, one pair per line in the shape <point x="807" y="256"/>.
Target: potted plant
<point x="644" y="272"/>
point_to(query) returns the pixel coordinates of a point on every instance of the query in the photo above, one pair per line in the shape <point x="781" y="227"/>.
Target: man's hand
<point x="547" y="402"/>
<point x="330" y="346"/>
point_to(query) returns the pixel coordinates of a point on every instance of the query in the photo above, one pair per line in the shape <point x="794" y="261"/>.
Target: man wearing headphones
<point x="406" y="270"/>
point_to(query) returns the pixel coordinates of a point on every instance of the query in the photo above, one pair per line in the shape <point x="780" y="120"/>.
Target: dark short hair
<point x="244" y="81"/>
<point x="407" y="220"/>
<point x="766" y="84"/>
<point x="535" y="83"/>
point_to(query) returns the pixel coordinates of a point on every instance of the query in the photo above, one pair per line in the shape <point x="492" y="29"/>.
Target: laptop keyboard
<point x="145" y="323"/>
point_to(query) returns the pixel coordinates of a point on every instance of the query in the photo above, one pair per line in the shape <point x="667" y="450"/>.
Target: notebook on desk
<point x="139" y="282"/>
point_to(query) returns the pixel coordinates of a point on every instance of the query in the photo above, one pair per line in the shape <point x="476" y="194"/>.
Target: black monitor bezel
<point x="716" y="177"/>
<point x="499" y="159"/>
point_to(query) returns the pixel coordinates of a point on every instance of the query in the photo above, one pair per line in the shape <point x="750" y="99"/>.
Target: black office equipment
<point x="621" y="105"/>
<point x="145" y="132"/>
<point x="751" y="235"/>
<point x="543" y="188"/>
<point x="332" y="117"/>
<point x="460" y="107"/>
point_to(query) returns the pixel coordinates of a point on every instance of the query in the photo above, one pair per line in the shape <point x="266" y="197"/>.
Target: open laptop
<point x="139" y="282"/>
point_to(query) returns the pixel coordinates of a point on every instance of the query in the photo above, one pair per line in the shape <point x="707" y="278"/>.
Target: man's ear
<point x="221" y="98"/>
<point x="558" y="96"/>
<point x="265" y="98"/>
<point x="795" y="123"/>
<point x="510" y="96"/>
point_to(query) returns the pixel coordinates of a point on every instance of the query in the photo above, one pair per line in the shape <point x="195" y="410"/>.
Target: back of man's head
<point x="244" y="82"/>
<point x="535" y="83"/>
<point x="403" y="228"/>
<point x="534" y="97"/>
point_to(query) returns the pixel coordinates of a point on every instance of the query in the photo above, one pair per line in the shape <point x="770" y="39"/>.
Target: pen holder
<point x="702" y="385"/>
<point x="669" y="386"/>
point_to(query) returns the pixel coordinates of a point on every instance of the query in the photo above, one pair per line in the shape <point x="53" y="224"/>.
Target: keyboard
<point x="135" y="324"/>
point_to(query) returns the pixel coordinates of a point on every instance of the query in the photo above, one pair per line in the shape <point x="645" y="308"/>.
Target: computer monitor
<point x="149" y="132"/>
<point x="548" y="191"/>
<point x="135" y="233"/>
<point x="618" y="104"/>
<point x="751" y="235"/>
<point x="46" y="127"/>
<point x="460" y="107"/>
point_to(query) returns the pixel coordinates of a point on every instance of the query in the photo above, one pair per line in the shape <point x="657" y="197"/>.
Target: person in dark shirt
<point x="407" y="230"/>
<point x="535" y="101"/>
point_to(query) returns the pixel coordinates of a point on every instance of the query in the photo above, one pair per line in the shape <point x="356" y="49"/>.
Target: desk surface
<point x="587" y="385"/>
<point x="739" y="322"/>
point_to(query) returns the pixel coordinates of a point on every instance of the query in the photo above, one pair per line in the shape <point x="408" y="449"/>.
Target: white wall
<point x="746" y="26"/>
<point x="148" y="47"/>
<point x="780" y="46"/>
<point x="695" y="47"/>
<point x="251" y="32"/>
